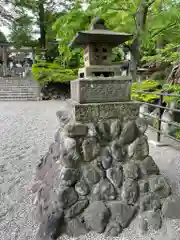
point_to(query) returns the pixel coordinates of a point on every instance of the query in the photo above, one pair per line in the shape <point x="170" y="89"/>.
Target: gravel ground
<point x="26" y="130"/>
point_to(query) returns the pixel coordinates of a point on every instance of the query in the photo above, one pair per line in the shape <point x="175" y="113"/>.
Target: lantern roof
<point x="99" y="34"/>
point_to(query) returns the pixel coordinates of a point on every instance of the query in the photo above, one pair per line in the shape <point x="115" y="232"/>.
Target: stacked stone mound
<point x="98" y="177"/>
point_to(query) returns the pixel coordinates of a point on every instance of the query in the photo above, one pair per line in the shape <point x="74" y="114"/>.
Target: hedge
<point x="173" y="89"/>
<point x="147" y="85"/>
<point x="154" y="86"/>
<point x="52" y="72"/>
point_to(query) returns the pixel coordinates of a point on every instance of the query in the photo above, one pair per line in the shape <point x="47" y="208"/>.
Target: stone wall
<point x="98" y="177"/>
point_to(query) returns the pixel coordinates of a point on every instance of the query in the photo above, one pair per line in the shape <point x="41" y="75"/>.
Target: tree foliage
<point x="155" y="25"/>
<point x="152" y="22"/>
<point x="168" y="54"/>
<point x="67" y="26"/>
<point x="22" y="32"/>
<point x="36" y="18"/>
<point x="41" y="13"/>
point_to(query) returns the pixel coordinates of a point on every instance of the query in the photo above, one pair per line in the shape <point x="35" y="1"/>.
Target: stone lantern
<point x="100" y="82"/>
<point x="98" y="172"/>
<point x="98" y="44"/>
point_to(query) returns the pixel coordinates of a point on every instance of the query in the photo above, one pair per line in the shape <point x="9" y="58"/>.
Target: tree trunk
<point x="140" y="19"/>
<point x="135" y="59"/>
<point x="159" y="42"/>
<point x="42" y="25"/>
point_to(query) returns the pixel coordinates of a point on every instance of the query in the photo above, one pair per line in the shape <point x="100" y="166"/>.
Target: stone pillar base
<point x="98" y="175"/>
<point x="94" y="112"/>
<point x="101" y="89"/>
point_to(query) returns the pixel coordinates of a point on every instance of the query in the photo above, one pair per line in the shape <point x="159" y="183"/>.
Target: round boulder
<point x="96" y="216"/>
<point x="148" y="166"/>
<point x="141" y="125"/>
<point x="69" y="176"/>
<point x="106" y="158"/>
<point x="115" y="129"/>
<point x="82" y="188"/>
<point x="150" y="220"/>
<point x="67" y="196"/>
<point x="115" y="175"/>
<point x="103" y="130"/>
<point x="91" y="149"/>
<point x="129" y="133"/>
<point x="113" y="229"/>
<point x="131" y="171"/>
<point x="117" y="150"/>
<point x="104" y="190"/>
<point x="70" y="159"/>
<point x="150" y="201"/>
<point x="130" y="191"/>
<point x="77" y="208"/>
<point x="121" y="212"/>
<point x="159" y="185"/>
<point x="139" y="149"/>
<point x="91" y="175"/>
<point x="143" y="186"/>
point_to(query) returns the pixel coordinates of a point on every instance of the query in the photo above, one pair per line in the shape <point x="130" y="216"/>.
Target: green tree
<point x="37" y="17"/>
<point x="40" y="10"/>
<point x="67" y="26"/>
<point x="22" y="32"/>
<point x="140" y="17"/>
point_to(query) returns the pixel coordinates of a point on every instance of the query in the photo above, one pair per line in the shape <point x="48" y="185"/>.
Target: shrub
<point x="147" y="85"/>
<point x="177" y="135"/>
<point x="173" y="89"/>
<point x="52" y="72"/>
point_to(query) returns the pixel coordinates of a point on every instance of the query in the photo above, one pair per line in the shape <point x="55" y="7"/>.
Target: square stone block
<point x="101" y="90"/>
<point x="93" y="112"/>
<point x="93" y="70"/>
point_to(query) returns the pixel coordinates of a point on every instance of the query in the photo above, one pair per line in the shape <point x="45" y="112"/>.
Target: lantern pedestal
<point x="100" y="90"/>
<point x="95" y="112"/>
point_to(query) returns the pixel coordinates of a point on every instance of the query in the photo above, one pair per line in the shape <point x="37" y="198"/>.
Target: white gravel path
<point x="26" y="131"/>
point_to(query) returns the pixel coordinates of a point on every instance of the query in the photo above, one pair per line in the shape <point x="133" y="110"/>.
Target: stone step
<point x="15" y="85"/>
<point x="18" y="90"/>
<point x="18" y="95"/>
<point x="17" y="80"/>
<point x="18" y="84"/>
<point x="8" y="98"/>
<point x="18" y="99"/>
